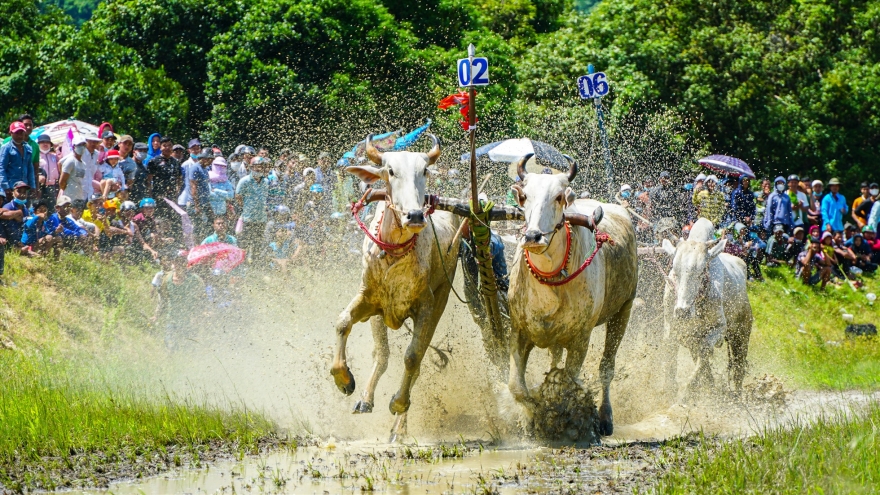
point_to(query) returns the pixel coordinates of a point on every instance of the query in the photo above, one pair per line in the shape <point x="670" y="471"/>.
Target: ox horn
<point x="373" y="154"/>
<point x="521" y="166"/>
<point x="572" y="168"/>
<point x="434" y="154"/>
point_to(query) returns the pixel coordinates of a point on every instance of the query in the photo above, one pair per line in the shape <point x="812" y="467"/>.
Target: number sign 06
<point x="593" y="85"/>
<point x="473" y="74"/>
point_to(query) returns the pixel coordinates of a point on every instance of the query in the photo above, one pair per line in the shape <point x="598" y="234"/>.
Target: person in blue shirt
<point x="778" y="208"/>
<point x="17" y="213"/>
<point x="71" y="233"/>
<point x="16" y="160"/>
<point x="252" y="195"/>
<point x="834" y="207"/>
<point x="220" y="233"/>
<point x="742" y="202"/>
<point x="36" y="236"/>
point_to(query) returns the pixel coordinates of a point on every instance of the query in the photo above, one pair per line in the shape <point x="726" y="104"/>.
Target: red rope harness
<point x="544" y="278"/>
<point x="396" y="250"/>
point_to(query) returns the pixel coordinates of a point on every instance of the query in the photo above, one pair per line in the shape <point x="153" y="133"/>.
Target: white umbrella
<point x="545" y="158"/>
<point x="62" y="132"/>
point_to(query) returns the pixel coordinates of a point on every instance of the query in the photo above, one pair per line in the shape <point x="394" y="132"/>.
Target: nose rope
<point x="601" y="239"/>
<point x="395" y="250"/>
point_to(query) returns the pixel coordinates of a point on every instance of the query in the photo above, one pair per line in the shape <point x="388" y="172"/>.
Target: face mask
<point x="79" y="149"/>
<point x="45" y="147"/>
<point x="140" y="155"/>
<point x="814" y="239"/>
<point x="780" y="187"/>
<point x="624" y="194"/>
<point x="874" y="192"/>
<point x="21" y="202"/>
<point x="194" y="156"/>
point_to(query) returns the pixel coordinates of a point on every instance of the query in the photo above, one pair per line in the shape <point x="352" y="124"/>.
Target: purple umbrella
<point x="727" y="165"/>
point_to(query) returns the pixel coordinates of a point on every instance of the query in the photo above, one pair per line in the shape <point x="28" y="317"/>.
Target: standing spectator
<point x="799" y="202"/>
<point x="222" y="192"/>
<point x="90" y="158"/>
<point x="28" y="122"/>
<point x="200" y="193"/>
<point x="139" y="188"/>
<point x="710" y="202"/>
<point x="108" y="142"/>
<point x="154" y="146"/>
<point x="252" y="194"/>
<point x="778" y="208"/>
<point x="36" y="237"/>
<point x="52" y="168"/>
<point x="221" y="233"/>
<point x="126" y="162"/>
<point x="814" y="214"/>
<point x="834" y="207"/>
<point x="165" y="179"/>
<point x="74" y="173"/>
<point x="665" y="201"/>
<point x="863" y="204"/>
<point x="177" y="152"/>
<point x="187" y="169"/>
<point x="742" y="202"/>
<point x="766" y="191"/>
<point x="238" y="162"/>
<point x="16" y="160"/>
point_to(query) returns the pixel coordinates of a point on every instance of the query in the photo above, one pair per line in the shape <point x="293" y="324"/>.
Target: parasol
<point x="221" y="256"/>
<point x="727" y="165"/>
<point x="545" y="158"/>
<point x="62" y="132"/>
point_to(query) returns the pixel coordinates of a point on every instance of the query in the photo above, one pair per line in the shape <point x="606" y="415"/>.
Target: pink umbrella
<point x="62" y="132"/>
<point x="224" y="256"/>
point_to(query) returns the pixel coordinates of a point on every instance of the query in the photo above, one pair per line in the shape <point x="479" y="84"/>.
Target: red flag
<point x="463" y="100"/>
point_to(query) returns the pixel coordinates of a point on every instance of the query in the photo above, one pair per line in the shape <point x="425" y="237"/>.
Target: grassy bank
<point x="831" y="455"/>
<point x="799" y="333"/>
<point x="81" y="401"/>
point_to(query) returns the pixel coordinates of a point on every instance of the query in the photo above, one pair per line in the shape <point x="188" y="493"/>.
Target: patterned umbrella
<point x="727" y="165"/>
<point x="62" y="132"/>
<point x="546" y="159"/>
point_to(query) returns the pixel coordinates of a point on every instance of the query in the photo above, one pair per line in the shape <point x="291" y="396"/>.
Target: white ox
<point x="706" y="302"/>
<point x="394" y="287"/>
<point x="564" y="316"/>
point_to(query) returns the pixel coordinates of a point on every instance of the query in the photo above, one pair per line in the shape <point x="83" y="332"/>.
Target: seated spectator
<point x="36" y="237"/>
<point x="751" y="249"/>
<point x="112" y="176"/>
<point x="871" y="240"/>
<point x="222" y="191"/>
<point x="145" y="221"/>
<point x="15" y="216"/>
<point x="77" y="208"/>
<point x="71" y="234"/>
<point x="848" y="231"/>
<point x="220" y="232"/>
<point x="813" y="266"/>
<point x="777" y="247"/>
<point x="5" y="240"/>
<point x="116" y="236"/>
<point x="796" y="244"/>
<point x="862" y="251"/>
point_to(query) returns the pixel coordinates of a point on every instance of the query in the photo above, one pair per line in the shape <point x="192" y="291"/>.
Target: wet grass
<point x="831" y="455"/>
<point x="56" y="413"/>
<point x="799" y="333"/>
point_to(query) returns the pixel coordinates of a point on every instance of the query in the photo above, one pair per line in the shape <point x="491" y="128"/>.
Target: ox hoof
<point x="398" y="406"/>
<point x="344" y="380"/>
<point x="606" y="420"/>
<point x="362" y="407"/>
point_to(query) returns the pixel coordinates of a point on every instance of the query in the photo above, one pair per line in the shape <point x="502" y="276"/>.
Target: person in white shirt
<point x="800" y="205"/>
<point x="90" y="159"/>
<point x="188" y="167"/>
<point x="112" y="176"/>
<point x="74" y="172"/>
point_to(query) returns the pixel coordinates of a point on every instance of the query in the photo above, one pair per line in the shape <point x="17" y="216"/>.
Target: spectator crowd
<point x="793" y="221"/>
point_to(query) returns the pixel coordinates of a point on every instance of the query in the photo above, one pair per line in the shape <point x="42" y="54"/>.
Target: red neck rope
<point x="396" y="250"/>
<point x="544" y="277"/>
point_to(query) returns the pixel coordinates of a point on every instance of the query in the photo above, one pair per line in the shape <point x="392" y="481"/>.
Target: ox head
<point x="543" y="198"/>
<point x="689" y="277"/>
<point x="405" y="174"/>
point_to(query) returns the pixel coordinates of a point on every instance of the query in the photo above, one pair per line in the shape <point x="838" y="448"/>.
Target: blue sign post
<point x="595" y="86"/>
<point x="473" y="71"/>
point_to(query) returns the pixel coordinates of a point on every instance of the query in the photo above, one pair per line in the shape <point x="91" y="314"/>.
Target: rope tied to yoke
<point x="481" y="233"/>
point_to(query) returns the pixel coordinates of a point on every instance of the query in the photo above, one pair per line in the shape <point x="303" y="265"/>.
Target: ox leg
<point x="380" y="364"/>
<point x="358" y="310"/>
<point x="738" y="349"/>
<point x="555" y="357"/>
<point x="520" y="348"/>
<point x="614" y="330"/>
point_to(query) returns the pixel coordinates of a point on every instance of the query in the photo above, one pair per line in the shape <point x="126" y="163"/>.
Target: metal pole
<point x="472" y="130"/>
<point x="609" y="169"/>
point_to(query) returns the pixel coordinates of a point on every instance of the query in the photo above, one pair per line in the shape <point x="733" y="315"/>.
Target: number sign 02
<point x="593" y="85"/>
<point x="473" y="74"/>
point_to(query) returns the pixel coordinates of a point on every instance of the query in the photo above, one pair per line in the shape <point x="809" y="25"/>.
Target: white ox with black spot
<point x="564" y="316"/>
<point x="706" y="302"/>
<point x="400" y="283"/>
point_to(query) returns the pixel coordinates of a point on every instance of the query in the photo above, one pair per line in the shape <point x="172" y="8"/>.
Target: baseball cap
<point x="873" y="185"/>
<point x="125" y="137"/>
<point x="20" y="184"/>
<point x="793" y="177"/>
<point x="206" y="154"/>
<point x="816" y="182"/>
<point x="79" y="140"/>
<point x="778" y="228"/>
<point x="863" y="184"/>
<point x="96" y="197"/>
<point x="79" y="204"/>
<point x="177" y="147"/>
<point x="92" y="137"/>
<point x="194" y="142"/>
<point x="141" y="147"/>
<point x="108" y="134"/>
<point x="112" y="154"/>
<point x="44" y="138"/>
<point x="17" y="126"/>
<point x="664" y="175"/>
<point x="62" y="200"/>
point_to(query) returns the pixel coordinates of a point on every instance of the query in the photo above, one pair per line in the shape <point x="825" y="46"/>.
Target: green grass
<point x="830" y="455"/>
<point x="822" y="357"/>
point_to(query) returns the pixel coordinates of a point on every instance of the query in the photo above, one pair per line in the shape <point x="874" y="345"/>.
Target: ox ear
<point x="668" y="247"/>
<point x="518" y="193"/>
<point x="570" y="196"/>
<point x="366" y="173"/>
<point x="717" y="249"/>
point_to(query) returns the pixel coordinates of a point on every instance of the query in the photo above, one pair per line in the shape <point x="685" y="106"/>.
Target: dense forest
<point x="786" y="85"/>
